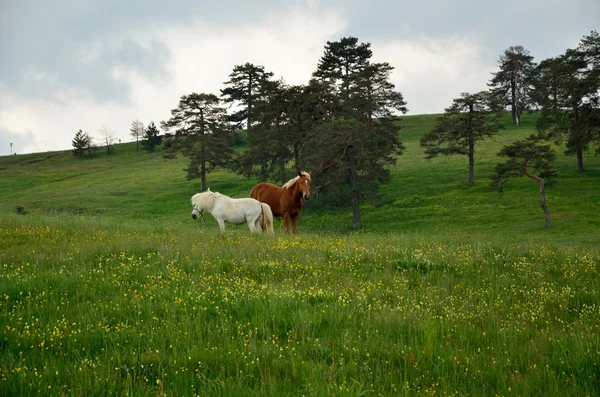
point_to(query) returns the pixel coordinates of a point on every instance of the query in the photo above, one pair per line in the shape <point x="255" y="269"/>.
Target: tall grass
<point x="90" y="309"/>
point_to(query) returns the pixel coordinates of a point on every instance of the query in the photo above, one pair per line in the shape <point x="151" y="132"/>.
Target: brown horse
<point x="285" y="201"/>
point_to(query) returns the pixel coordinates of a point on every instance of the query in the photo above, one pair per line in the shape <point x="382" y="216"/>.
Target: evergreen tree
<point x="353" y="137"/>
<point x="469" y="119"/>
<point x="151" y="137"/>
<point x="523" y="155"/>
<point x="513" y="83"/>
<point x="590" y="47"/>
<point x="350" y="159"/>
<point x="374" y="96"/>
<point x="274" y="142"/>
<point x="567" y="89"/>
<point x="341" y="61"/>
<point x="248" y="86"/>
<point x="90" y="146"/>
<point x="80" y="143"/>
<point x="271" y="138"/>
<point x="201" y="135"/>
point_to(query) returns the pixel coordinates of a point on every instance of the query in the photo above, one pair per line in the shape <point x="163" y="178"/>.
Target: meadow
<point x="108" y="287"/>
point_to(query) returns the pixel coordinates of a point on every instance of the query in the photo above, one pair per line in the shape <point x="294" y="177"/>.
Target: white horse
<point x="234" y="211"/>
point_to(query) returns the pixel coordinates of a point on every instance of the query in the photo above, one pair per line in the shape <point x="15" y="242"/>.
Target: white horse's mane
<point x="291" y="182"/>
<point x="205" y="200"/>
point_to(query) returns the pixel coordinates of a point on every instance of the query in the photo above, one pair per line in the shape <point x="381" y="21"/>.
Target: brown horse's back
<point x="268" y="193"/>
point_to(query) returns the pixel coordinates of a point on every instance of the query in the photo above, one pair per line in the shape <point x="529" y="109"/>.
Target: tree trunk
<point x="354" y="189"/>
<point x="579" y="160"/>
<point x="513" y="101"/>
<point x="471" y="147"/>
<point x="282" y="165"/>
<point x="203" y="176"/>
<point x="249" y="120"/>
<point x="471" y="161"/>
<point x="542" y="193"/>
<point x="203" y="168"/>
<point x="516" y="111"/>
<point x="296" y="156"/>
<point x="574" y="127"/>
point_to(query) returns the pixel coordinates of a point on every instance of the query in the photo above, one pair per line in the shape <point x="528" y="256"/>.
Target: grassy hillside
<point x="108" y="287"/>
<point x="428" y="197"/>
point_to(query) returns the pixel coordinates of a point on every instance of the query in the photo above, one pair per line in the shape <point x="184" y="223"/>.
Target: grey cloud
<point x="41" y="38"/>
<point x="540" y="25"/>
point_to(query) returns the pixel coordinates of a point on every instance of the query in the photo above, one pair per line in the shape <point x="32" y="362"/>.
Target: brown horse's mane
<point x="291" y="182"/>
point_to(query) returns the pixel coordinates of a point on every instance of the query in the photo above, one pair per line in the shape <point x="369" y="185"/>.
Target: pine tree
<point x="341" y="61"/>
<point x="513" y="83"/>
<point x="469" y="119"/>
<point x="248" y="86"/>
<point x="351" y="112"/>
<point x="350" y="159"/>
<point x="374" y="96"/>
<point x="524" y="155"/>
<point x="567" y="88"/>
<point x="201" y="135"/>
<point x="80" y="143"/>
<point x="151" y="137"/>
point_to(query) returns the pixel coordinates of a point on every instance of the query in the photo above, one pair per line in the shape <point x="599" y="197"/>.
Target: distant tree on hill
<point x="108" y="137"/>
<point x="80" y="144"/>
<point x="470" y="118"/>
<point x="137" y="132"/>
<point x="513" y="83"/>
<point x="151" y="137"/>
<point x="523" y="155"/>
<point x="91" y="147"/>
<point x="201" y="134"/>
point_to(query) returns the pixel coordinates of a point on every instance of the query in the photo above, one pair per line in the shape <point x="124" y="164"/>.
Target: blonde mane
<point x="205" y="200"/>
<point x="291" y="182"/>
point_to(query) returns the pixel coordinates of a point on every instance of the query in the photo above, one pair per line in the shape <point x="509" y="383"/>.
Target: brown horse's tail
<point x="267" y="217"/>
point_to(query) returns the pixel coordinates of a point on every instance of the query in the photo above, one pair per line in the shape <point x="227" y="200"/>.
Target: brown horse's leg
<point x="295" y="223"/>
<point x="286" y="222"/>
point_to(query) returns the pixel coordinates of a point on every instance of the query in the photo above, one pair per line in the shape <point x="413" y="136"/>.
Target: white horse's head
<point x="196" y="212"/>
<point x="203" y="202"/>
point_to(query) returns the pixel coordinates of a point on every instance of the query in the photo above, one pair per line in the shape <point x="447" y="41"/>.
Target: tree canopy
<point x="200" y="134"/>
<point x="469" y="119"/>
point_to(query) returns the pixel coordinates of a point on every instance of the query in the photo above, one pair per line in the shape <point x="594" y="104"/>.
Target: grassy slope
<point x="425" y="197"/>
<point x="109" y="287"/>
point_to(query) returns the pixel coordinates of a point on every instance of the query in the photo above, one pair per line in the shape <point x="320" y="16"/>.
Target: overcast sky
<point x="67" y="65"/>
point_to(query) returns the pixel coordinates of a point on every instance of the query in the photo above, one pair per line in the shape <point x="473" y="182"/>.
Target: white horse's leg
<point x="252" y="224"/>
<point x="221" y="223"/>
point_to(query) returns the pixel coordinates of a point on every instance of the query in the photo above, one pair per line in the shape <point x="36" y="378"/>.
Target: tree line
<point x="343" y="124"/>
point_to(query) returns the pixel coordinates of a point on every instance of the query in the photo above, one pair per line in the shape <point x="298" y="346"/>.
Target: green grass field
<point x="108" y="287"/>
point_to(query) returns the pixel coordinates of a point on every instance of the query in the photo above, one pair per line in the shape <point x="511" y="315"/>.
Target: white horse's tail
<point x="267" y="217"/>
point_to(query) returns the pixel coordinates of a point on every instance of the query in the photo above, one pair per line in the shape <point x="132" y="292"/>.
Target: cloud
<point x="197" y="58"/>
<point x="431" y="71"/>
<point x="87" y="64"/>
